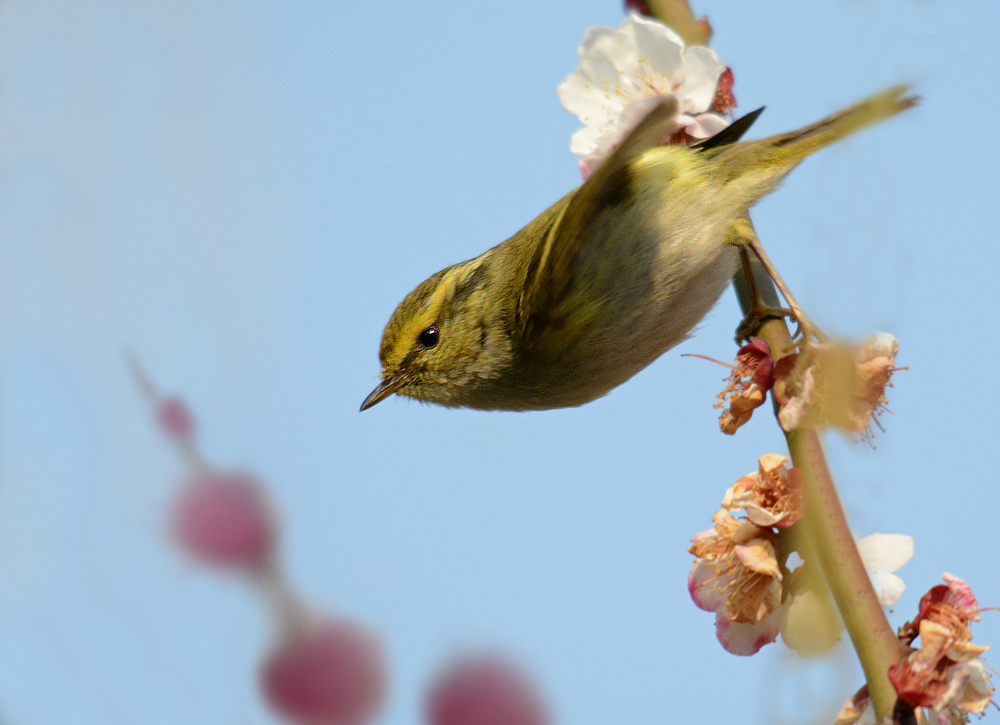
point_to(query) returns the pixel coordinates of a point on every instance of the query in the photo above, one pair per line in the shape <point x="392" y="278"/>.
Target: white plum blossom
<point x="883" y="554"/>
<point x="810" y="626"/>
<point x="622" y="74"/>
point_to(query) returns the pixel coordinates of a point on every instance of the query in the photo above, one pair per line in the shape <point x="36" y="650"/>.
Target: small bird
<point x="609" y="277"/>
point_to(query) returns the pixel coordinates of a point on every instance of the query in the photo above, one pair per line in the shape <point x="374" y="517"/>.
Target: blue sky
<point x="241" y="192"/>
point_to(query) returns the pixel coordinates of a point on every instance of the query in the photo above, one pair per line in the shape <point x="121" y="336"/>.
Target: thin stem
<point x="677" y="14"/>
<point x="825" y="523"/>
<point x="834" y="547"/>
<point x="829" y="533"/>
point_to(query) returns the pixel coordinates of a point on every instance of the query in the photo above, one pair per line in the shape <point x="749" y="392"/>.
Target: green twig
<point x="828" y="531"/>
<point x="830" y="535"/>
<point x="825" y="523"/>
<point x="677" y="14"/>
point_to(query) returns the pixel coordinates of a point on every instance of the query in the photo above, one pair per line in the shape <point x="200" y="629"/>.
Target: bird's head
<point x="445" y="338"/>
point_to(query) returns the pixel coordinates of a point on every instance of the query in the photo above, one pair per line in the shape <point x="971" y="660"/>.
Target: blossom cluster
<point x="622" y="75"/>
<point x="737" y="574"/>
<point x="945" y="675"/>
<point x="826" y="384"/>
<point x="320" y="669"/>
<point x="740" y="571"/>
<point x="838" y="385"/>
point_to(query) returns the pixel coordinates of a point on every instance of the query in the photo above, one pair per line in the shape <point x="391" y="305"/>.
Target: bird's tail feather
<point x="781" y="153"/>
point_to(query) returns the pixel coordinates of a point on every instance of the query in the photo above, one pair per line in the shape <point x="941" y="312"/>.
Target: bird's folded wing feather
<point x="551" y="272"/>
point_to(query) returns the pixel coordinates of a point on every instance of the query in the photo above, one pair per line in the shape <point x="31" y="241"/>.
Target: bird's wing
<point x="550" y="274"/>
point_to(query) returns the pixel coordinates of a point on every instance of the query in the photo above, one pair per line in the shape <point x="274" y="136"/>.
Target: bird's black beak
<point x="383" y="390"/>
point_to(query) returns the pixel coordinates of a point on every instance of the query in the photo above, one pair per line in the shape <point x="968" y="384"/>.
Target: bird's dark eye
<point x="429" y="337"/>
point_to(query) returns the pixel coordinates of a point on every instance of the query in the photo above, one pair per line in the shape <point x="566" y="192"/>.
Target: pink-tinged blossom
<point x="736" y="574"/>
<point x="331" y="673"/>
<point x="225" y="520"/>
<point x="484" y="689"/>
<point x="621" y="77"/>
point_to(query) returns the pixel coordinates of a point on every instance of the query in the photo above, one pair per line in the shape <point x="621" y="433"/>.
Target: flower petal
<point x="888" y="587"/>
<point x="810" y="625"/>
<point x="960" y="594"/>
<point x="759" y="556"/>
<point x="705" y="125"/>
<point x="885" y="552"/>
<point x="586" y="140"/>
<point x="607" y="57"/>
<point x="702" y="69"/>
<point x="583" y="98"/>
<point x="881" y="344"/>
<point x="659" y="47"/>
<point x="746" y="639"/>
<point x="705" y="585"/>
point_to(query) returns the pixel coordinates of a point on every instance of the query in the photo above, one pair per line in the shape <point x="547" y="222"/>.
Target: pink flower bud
<point x="175" y="419"/>
<point x="332" y="674"/>
<point x="484" y="689"/>
<point x="225" y="520"/>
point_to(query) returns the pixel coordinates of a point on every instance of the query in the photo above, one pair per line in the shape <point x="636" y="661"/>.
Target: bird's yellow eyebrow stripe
<point x="444" y="291"/>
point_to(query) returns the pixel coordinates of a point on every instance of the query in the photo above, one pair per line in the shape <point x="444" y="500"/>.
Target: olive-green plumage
<point x="605" y="280"/>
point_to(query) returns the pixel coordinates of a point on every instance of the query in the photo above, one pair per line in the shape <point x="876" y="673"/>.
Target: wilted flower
<point x="857" y="709"/>
<point x="771" y="495"/>
<point x="747" y="385"/>
<point x="945" y="674"/>
<point x="839" y="385"/>
<point x="621" y="75"/>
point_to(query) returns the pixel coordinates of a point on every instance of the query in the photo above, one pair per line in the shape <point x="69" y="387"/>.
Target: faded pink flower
<point x="224" y="520"/>
<point x="331" y="673"/>
<point x="484" y="689"/>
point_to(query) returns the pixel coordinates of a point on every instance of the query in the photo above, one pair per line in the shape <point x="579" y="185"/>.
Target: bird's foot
<point x="756" y="316"/>
<point x="743" y="236"/>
